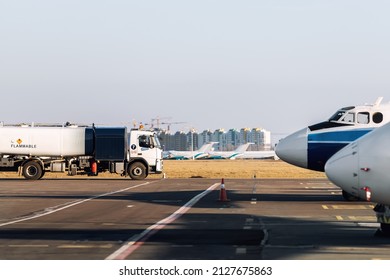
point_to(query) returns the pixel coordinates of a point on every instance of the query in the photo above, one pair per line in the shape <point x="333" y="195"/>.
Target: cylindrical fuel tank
<point x="64" y="141"/>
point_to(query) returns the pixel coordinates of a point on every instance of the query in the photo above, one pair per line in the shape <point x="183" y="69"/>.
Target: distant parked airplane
<point x="258" y="155"/>
<point x="200" y="153"/>
<point x="229" y="155"/>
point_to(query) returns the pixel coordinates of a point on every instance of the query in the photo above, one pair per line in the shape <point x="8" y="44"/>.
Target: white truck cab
<point x="145" y="153"/>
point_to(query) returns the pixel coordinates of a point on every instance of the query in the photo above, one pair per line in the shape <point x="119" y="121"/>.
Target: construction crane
<point x="170" y="123"/>
<point x="155" y="122"/>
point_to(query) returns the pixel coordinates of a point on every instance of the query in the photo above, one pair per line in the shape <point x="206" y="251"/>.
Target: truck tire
<point x="32" y="170"/>
<point x="43" y="174"/>
<point x="137" y="171"/>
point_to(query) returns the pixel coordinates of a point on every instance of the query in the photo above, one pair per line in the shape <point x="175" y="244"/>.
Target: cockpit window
<point x="349" y="117"/>
<point x="377" y="117"/>
<point x="343" y="116"/>
<point x="363" y="117"/>
<point x="337" y="116"/>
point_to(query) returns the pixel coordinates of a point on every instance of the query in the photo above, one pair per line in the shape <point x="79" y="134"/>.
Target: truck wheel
<point x="32" y="170"/>
<point x="137" y="171"/>
<point x="43" y="174"/>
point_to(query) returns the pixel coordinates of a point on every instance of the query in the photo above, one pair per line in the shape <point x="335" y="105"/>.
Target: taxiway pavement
<point x="183" y="219"/>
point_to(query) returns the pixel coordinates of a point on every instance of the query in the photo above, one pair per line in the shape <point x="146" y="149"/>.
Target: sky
<point x="274" y="64"/>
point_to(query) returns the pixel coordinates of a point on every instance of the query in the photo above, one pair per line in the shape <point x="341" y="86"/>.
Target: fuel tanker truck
<point x="34" y="149"/>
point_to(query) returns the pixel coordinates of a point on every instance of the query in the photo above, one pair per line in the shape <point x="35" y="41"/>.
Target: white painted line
<point x="373" y="225"/>
<point x="58" y="208"/>
<point x="137" y="241"/>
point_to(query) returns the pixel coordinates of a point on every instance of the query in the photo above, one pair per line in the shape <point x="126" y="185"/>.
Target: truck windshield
<point x="156" y="141"/>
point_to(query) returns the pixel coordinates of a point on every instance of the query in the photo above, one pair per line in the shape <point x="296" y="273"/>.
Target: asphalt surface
<point x="182" y="219"/>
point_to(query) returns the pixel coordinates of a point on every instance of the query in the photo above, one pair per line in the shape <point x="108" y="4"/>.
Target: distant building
<point x="205" y="137"/>
<point x="245" y="135"/>
<point x="232" y="139"/>
<point x="192" y="139"/>
<point x="180" y="140"/>
<point x="219" y="136"/>
<point x="227" y="140"/>
<point x="261" y="139"/>
<point x="166" y="140"/>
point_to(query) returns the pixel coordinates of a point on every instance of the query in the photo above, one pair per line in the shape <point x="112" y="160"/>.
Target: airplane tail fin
<point x="206" y="147"/>
<point x="242" y="148"/>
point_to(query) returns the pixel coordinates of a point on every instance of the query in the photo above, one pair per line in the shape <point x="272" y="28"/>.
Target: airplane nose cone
<point x="342" y="169"/>
<point x="293" y="148"/>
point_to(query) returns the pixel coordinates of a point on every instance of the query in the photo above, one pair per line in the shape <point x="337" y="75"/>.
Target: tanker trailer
<point x="38" y="148"/>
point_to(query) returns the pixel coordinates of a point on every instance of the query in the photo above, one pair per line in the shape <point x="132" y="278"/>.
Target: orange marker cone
<point x="222" y="192"/>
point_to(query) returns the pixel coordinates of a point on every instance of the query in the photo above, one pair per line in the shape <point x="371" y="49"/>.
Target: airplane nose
<point x="293" y="148"/>
<point x="342" y="169"/>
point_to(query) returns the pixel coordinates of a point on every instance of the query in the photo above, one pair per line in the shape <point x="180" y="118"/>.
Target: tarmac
<point x="184" y="219"/>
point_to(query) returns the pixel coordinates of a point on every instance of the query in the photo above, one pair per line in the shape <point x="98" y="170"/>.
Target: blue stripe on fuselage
<point x="338" y="136"/>
<point x="322" y="146"/>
